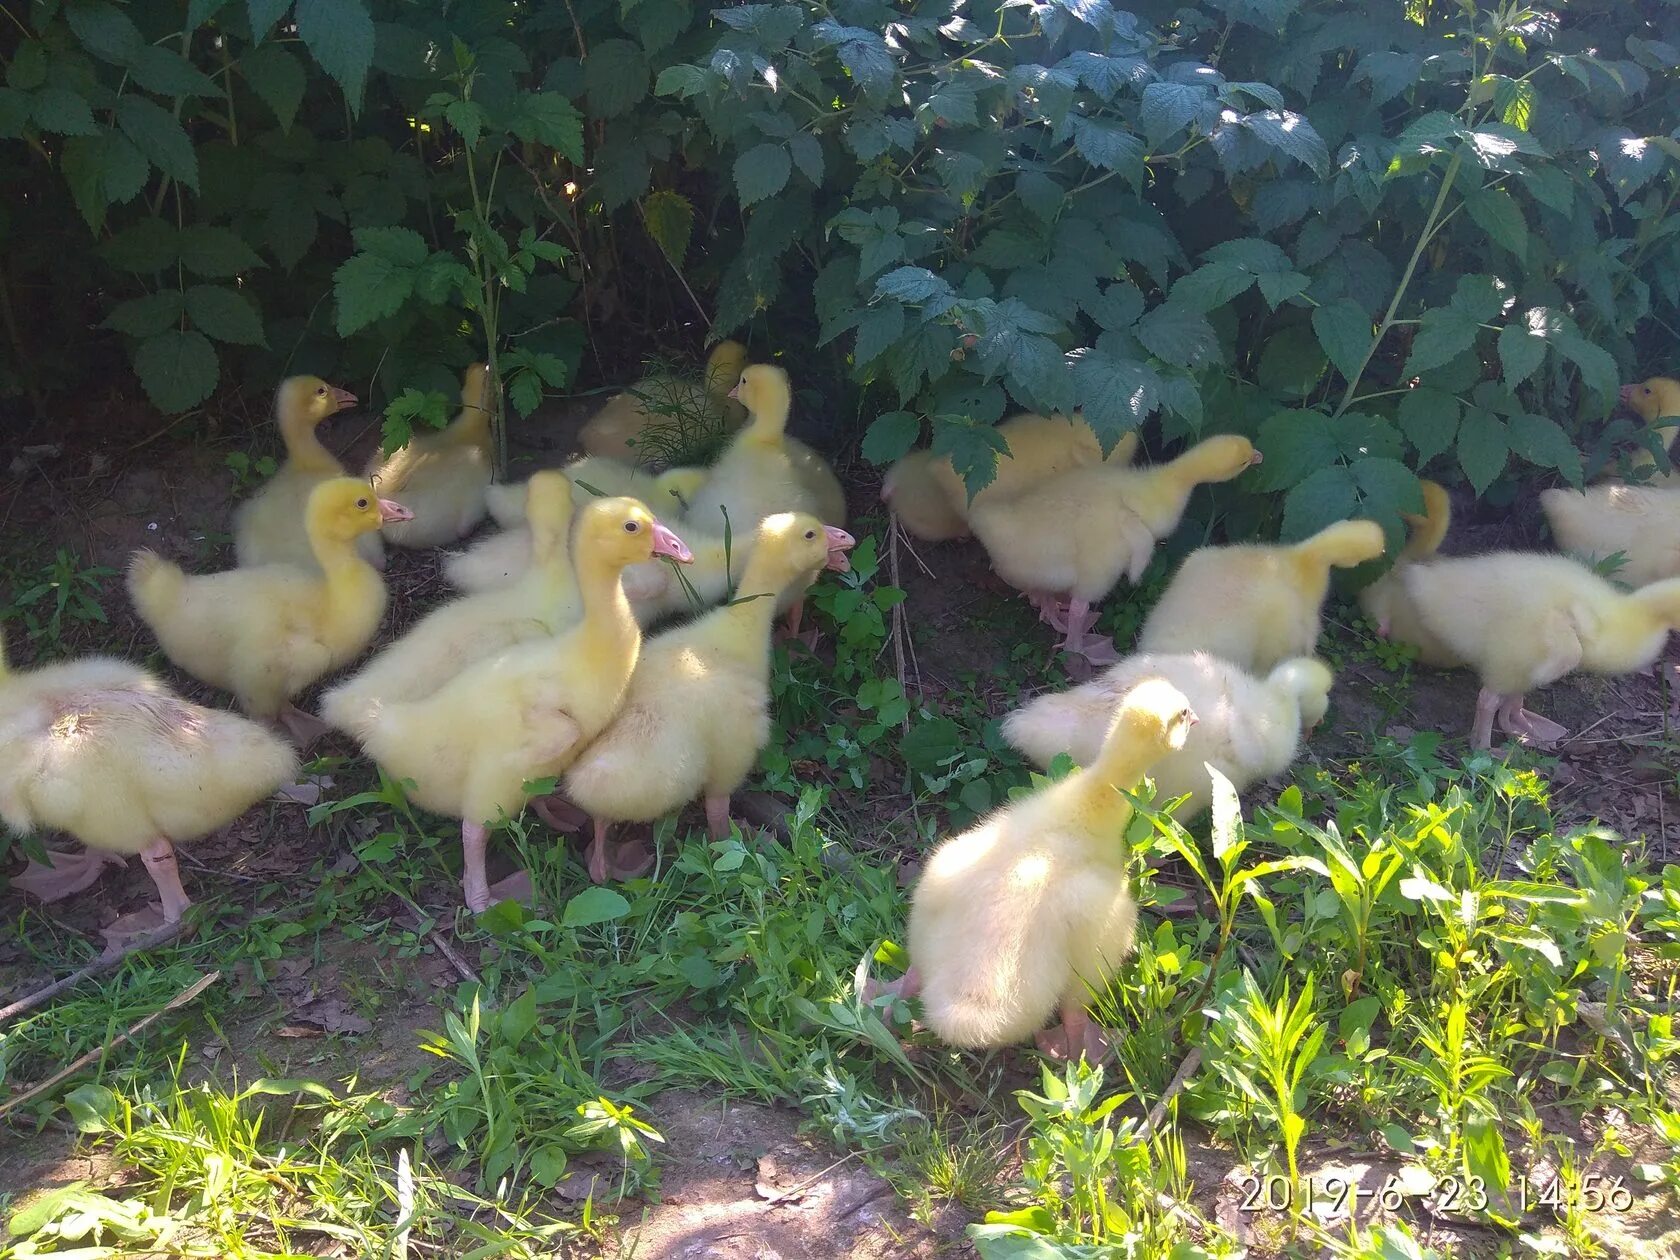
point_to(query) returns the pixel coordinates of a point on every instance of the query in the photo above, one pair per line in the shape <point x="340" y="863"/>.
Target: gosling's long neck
<point x="608" y="633"/>
<point x="303" y="447"/>
<point x="1428" y="531"/>
<point x="1093" y="792"/>
<point x="1158" y="495"/>
<point x="754" y="609"/>
<point x="347" y="574"/>
<point x="767" y="427"/>
<point x="1661" y="602"/>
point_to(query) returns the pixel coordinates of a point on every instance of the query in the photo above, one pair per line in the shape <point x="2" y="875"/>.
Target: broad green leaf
<point x="682" y="81"/>
<point x="592" y="906"/>
<point x="1483" y="446"/>
<point x="891" y="437"/>
<point x="146" y="316"/>
<point x="762" y="171"/>
<point x="1290" y="133"/>
<point x="277" y="78"/>
<point x="369" y="287"/>
<point x="265" y="13"/>
<point x="912" y="285"/>
<point x="63" y="112"/>
<point x="1295" y="443"/>
<point x="201" y="11"/>
<point x="1168" y="108"/>
<point x="402" y="246"/>
<point x="1116" y="393"/>
<point x="807" y="156"/>
<point x="14" y="113"/>
<point x="548" y="118"/>
<point x="215" y="252"/>
<point x="167" y="73"/>
<point x="91" y="1107"/>
<point x="1211" y="285"/>
<point x="1110" y="146"/>
<point x="1433" y="133"/>
<point x="1387" y="488"/>
<point x="954" y="102"/>
<point x="1292" y="363"/>
<point x="156" y="134"/>
<point x="881" y="326"/>
<point x="615" y="77"/>
<point x="1542" y="441"/>
<point x="177" y="369"/>
<point x="1324" y="496"/>
<point x="525" y="392"/>
<point x="1429" y="419"/>
<point x="548" y="1165"/>
<point x="102" y="171"/>
<point x="468" y="119"/>
<point x="339" y="35"/>
<point x="1177" y="336"/>
<point x="225" y="315"/>
<point x="669" y="217"/>
<point x="1598" y="369"/>
<point x="105" y="31"/>
<point x="1520" y="352"/>
<point x="1345" y="331"/>
<point x="1497" y="213"/>
<point x="1443" y="334"/>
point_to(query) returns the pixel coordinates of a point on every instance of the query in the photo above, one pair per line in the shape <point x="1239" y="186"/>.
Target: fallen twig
<point x="98" y="967"/>
<point x="179" y="1000"/>
<point x="1181" y="1078"/>
<point x="448" y="951"/>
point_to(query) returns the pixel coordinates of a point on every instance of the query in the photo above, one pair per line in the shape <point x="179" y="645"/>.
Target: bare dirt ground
<point x="738" y="1181"/>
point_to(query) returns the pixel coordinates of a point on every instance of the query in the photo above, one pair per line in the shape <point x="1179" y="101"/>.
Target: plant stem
<point x="1405" y="281"/>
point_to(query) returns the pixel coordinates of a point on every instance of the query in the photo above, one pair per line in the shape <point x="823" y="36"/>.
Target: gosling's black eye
<point x="321" y="392"/>
<point x="810" y="534"/>
<point x="630" y="527"/>
<point x="361" y="503"/>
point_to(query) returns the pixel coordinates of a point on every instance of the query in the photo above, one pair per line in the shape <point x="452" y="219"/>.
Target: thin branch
<point x="98" y="967"/>
<point x="174" y="1003"/>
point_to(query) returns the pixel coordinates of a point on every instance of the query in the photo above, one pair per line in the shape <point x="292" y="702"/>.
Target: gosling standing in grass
<point x="1032" y="909"/>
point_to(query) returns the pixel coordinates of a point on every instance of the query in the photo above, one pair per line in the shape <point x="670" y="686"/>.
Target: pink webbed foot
<point x="1080" y="641"/>
<point x="303" y="729"/>
<point x="155" y="923"/>
<point x="905" y="987"/>
<point x="1077" y="1036"/>
<point x="606" y="860"/>
<point x="1052" y="611"/>
<point x="65" y="873"/>
<point x="790" y="632"/>
<point x="1529" y="726"/>
<point x="559" y="813"/>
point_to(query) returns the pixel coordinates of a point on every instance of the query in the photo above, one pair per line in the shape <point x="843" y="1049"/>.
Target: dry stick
<point x="1181" y="1078"/>
<point x="898" y="634"/>
<point x="179" y="1000"/>
<point x="98" y="967"/>
<point x="455" y="960"/>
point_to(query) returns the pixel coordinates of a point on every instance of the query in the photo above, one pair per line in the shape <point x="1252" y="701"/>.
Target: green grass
<point x="1403" y="957"/>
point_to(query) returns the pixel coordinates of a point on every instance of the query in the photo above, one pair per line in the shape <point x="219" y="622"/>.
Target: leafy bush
<point x="1379" y="238"/>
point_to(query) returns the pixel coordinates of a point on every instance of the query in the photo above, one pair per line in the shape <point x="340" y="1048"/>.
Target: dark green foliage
<point x="1426" y="234"/>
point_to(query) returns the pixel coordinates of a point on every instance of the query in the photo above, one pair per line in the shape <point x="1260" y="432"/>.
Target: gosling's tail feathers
<point x="1661" y="600"/>
<point x="1041" y="729"/>
<point x="1344" y="544"/>
<point x="1307" y="680"/>
<point x="153" y="582"/>
<point x="1429" y="531"/>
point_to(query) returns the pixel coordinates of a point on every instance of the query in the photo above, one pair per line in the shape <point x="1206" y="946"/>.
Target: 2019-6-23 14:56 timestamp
<point x="1334" y="1196"/>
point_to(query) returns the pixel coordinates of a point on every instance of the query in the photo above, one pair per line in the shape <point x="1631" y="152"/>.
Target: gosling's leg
<point x="475" y="885"/>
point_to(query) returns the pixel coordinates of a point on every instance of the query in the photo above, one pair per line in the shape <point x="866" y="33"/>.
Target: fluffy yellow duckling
<point x="1066" y="542"/>
<point x="503" y="558"/>
<point x="527" y="712"/>
<point x="764" y="471"/>
<point x="1652" y="400"/>
<point x="442" y="476"/>
<point x="104" y="751"/>
<point x="268" y="527"/>
<point x="1250" y="728"/>
<point x="616" y="430"/>
<point x="446" y="640"/>
<point x="925" y="493"/>
<point x="698" y="708"/>
<point x="267" y="633"/>
<point x="1031" y="908"/>
<point x="1524" y="621"/>
<point x="1641" y="522"/>
<point x="1385" y="602"/>
<point x="1256" y="604"/>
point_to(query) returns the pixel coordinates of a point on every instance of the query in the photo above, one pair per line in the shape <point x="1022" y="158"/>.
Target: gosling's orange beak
<point x="390" y="513"/>
<point x="1256" y="458"/>
<point x="343" y="397"/>
<point x="735" y="391"/>
<point x="1625" y="394"/>
<point x="839" y="543"/>
<point x="665" y="543"/>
